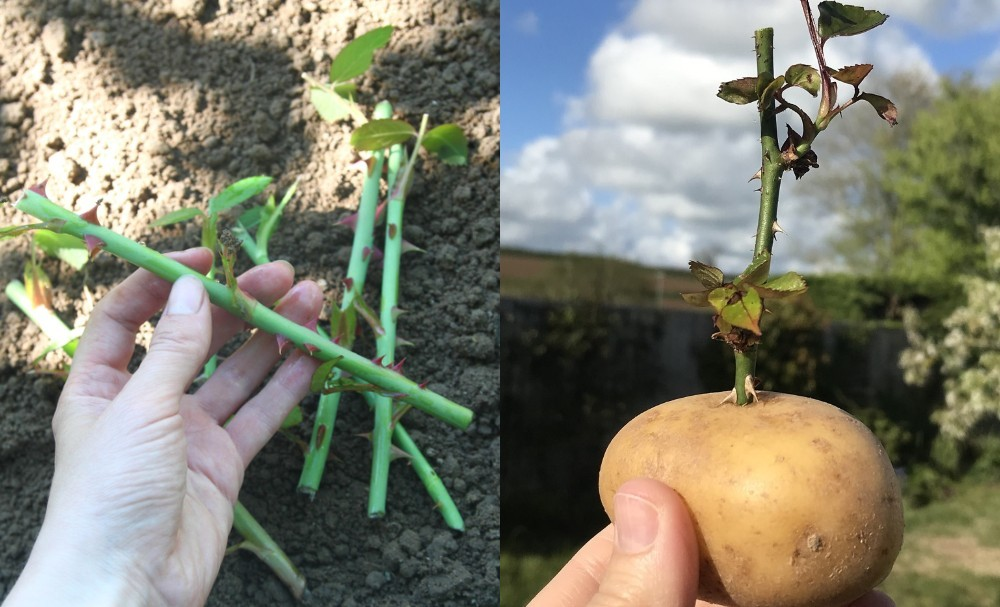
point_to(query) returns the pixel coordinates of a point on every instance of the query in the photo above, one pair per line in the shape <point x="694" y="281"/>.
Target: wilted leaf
<point x="448" y="142"/>
<point x="356" y="57"/>
<point x="238" y="192"/>
<point x="836" y="19"/>
<point x="176" y="217"/>
<point x="805" y="77"/>
<point x="38" y="286"/>
<point x="698" y="299"/>
<point x="740" y="91"/>
<point x="380" y="134"/>
<point x="709" y="276"/>
<point x="330" y="107"/>
<point x="885" y="108"/>
<point x="745" y="311"/>
<point x="852" y="74"/>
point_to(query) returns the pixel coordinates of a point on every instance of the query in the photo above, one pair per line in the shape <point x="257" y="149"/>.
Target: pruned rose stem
<point x="357" y="271"/>
<point x="255" y="538"/>
<point x="389" y="307"/>
<point x="46" y="320"/>
<point x="432" y="482"/>
<point x="770" y="180"/>
<point x="261" y="317"/>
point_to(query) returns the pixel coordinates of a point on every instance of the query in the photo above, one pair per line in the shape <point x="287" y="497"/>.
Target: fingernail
<point x="290" y="266"/>
<point x="636" y="523"/>
<point x="185" y="296"/>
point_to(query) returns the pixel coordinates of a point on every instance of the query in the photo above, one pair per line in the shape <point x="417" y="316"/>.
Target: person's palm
<point x="147" y="475"/>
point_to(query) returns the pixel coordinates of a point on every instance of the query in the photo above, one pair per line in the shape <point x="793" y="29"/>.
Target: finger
<point x="179" y="346"/>
<point x="874" y="599"/>
<point x="240" y="374"/>
<point x="655" y="555"/>
<point x="107" y="344"/>
<point x="257" y="421"/>
<point x="580" y="578"/>
<point x="266" y="283"/>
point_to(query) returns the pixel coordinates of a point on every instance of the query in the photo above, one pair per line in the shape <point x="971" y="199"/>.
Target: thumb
<point x="655" y="557"/>
<point x="177" y="352"/>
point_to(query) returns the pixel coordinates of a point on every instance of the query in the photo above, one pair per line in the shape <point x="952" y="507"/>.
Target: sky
<point x="614" y="142"/>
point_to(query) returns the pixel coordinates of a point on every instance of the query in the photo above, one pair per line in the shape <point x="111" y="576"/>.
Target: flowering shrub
<point x="969" y="352"/>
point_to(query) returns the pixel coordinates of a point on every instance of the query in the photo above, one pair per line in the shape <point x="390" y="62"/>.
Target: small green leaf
<point x="330" y="107"/>
<point x="710" y="277"/>
<point x="66" y="247"/>
<point x="176" y="217"/>
<point x="767" y="95"/>
<point x="294" y="418"/>
<point x="347" y="90"/>
<point x="805" y="77"/>
<point x="238" y="192"/>
<point x="720" y="298"/>
<point x="852" y="74"/>
<point x="780" y="287"/>
<point x="356" y="57"/>
<point x="448" y="142"/>
<point x="322" y="374"/>
<point x="698" y="299"/>
<point x="250" y="218"/>
<point x="380" y="134"/>
<point x="14" y="231"/>
<point x="836" y="19"/>
<point x="366" y="312"/>
<point x="885" y="108"/>
<point x="757" y="270"/>
<point x="745" y="311"/>
<point x="740" y="92"/>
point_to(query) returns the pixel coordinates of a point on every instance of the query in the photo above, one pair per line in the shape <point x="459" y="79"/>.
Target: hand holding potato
<point x="651" y="560"/>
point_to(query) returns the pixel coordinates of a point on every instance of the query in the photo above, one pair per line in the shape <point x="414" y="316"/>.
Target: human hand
<point x="650" y="558"/>
<point x="146" y="476"/>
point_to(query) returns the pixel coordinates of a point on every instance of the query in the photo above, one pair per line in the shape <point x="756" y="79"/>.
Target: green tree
<point x="912" y="201"/>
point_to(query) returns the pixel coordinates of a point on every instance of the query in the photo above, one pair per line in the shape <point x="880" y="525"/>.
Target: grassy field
<point x="950" y="557"/>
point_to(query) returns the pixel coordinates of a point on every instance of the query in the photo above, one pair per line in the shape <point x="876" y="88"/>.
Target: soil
<point x="158" y="105"/>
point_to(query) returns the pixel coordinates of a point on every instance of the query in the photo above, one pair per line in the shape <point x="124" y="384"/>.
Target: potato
<point x="794" y="502"/>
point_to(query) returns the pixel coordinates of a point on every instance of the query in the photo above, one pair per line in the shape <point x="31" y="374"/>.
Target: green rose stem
<point x="770" y="177"/>
<point x="255" y="538"/>
<point x="59" y="219"/>
<point x="357" y="270"/>
<point x="46" y="320"/>
<point x="385" y="342"/>
<point x="432" y="482"/>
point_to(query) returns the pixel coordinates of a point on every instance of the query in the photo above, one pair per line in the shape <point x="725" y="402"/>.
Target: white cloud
<point x="652" y="166"/>
<point x="527" y="23"/>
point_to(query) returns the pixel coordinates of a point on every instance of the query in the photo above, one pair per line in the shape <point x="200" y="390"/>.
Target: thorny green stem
<point x="263" y="318"/>
<point x="257" y="540"/>
<point x="46" y="320"/>
<point x="770" y="179"/>
<point x="386" y="342"/>
<point x="357" y="271"/>
<point x="386" y="346"/>
<point x="432" y="482"/>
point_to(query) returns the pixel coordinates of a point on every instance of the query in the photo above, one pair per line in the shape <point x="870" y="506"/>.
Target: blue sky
<point x="608" y="108"/>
